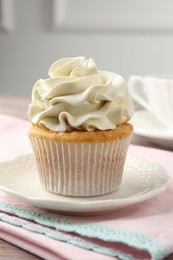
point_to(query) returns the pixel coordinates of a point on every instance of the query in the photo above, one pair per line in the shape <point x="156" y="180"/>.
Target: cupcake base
<point x="86" y="168"/>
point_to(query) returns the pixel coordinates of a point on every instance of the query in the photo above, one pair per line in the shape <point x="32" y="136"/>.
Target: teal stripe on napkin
<point x="83" y="233"/>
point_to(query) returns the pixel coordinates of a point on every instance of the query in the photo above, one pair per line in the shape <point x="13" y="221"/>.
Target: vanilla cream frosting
<point x="79" y="96"/>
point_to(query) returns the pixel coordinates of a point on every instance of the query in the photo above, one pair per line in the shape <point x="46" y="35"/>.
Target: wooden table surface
<point x="17" y="107"/>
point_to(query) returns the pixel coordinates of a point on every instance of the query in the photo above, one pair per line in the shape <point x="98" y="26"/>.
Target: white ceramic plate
<point x="145" y="124"/>
<point x="141" y="180"/>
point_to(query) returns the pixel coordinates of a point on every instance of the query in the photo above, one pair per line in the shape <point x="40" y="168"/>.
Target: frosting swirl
<point x="78" y="96"/>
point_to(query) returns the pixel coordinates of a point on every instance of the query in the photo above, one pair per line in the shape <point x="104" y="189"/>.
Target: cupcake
<point x="80" y="132"/>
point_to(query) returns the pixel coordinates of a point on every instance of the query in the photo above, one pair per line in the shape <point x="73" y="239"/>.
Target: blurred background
<point x="124" y="36"/>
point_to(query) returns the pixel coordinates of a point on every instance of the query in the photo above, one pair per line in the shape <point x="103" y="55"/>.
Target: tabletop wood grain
<point x="17" y="107"/>
<point x="11" y="252"/>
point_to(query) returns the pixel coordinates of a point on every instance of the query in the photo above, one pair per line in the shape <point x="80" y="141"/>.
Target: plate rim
<point x="118" y="203"/>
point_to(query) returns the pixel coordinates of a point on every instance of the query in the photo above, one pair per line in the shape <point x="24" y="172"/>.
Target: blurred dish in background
<point x="146" y="125"/>
<point x="155" y="94"/>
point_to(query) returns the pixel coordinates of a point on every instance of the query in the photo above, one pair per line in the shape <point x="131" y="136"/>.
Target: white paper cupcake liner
<point x="81" y="169"/>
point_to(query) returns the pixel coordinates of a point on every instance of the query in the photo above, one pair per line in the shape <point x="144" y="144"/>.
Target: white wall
<point x="124" y="36"/>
